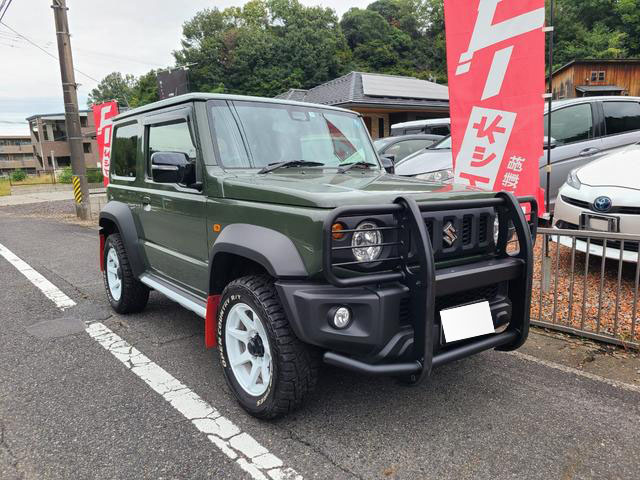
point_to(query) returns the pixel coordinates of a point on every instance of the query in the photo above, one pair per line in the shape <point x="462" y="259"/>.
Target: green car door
<point x="172" y="214"/>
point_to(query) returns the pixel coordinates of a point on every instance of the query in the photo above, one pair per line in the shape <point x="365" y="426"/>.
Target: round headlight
<point x="364" y="237"/>
<point x="496" y="230"/>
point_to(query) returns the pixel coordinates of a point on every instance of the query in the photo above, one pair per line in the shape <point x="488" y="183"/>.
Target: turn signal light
<point x="337" y="228"/>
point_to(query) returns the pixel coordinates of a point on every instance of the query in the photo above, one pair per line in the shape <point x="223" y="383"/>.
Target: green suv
<point x="277" y="223"/>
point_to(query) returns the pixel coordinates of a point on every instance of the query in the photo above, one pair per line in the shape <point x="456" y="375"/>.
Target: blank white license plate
<point x="467" y="321"/>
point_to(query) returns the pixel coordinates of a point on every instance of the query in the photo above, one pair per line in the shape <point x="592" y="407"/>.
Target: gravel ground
<point x="63" y="210"/>
<point x="608" y="313"/>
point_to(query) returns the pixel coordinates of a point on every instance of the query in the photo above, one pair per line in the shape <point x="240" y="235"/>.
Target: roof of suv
<point x="421" y="123"/>
<point x="190" y="97"/>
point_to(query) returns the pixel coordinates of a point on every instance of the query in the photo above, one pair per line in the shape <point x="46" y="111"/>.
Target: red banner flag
<point x="495" y="60"/>
<point x="102" y="114"/>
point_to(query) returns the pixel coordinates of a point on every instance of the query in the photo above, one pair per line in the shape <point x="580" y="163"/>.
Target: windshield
<point x="282" y="133"/>
<point x="445" y="143"/>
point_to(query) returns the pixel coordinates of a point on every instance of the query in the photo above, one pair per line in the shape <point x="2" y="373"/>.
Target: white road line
<point x="52" y="292"/>
<point x="575" y="371"/>
<point x="222" y="432"/>
<point x="239" y="446"/>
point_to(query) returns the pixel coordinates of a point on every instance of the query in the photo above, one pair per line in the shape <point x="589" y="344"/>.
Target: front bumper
<point x="396" y="321"/>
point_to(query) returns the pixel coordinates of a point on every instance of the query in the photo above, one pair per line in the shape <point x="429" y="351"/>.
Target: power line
<point x="45" y="51"/>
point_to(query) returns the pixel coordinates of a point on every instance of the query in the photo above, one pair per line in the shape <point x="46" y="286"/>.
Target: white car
<point x="603" y="195"/>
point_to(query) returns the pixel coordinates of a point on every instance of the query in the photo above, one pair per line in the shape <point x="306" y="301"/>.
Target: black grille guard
<point x="422" y="285"/>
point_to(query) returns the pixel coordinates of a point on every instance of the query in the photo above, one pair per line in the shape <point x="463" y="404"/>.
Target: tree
<point x="263" y="48"/>
<point x="126" y="89"/>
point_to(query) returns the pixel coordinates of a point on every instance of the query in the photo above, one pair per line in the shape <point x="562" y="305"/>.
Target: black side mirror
<point x="172" y="167"/>
<point x="387" y="163"/>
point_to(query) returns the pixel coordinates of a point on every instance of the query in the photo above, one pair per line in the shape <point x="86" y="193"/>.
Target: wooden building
<point x="383" y="100"/>
<point x="590" y="77"/>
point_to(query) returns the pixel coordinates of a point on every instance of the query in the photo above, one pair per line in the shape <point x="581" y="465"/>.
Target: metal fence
<point x="586" y="283"/>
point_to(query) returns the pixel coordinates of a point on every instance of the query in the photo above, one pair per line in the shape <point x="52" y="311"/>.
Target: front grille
<point x="472" y="232"/>
<point x="589" y="206"/>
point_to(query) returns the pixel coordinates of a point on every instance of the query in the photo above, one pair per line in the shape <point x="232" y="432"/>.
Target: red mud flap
<point x="102" y="240"/>
<point x="211" y="321"/>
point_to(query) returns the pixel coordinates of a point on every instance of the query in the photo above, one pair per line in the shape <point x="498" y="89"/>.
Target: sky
<point x="113" y="35"/>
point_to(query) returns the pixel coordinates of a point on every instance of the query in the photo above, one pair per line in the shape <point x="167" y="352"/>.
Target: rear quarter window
<point x="124" y="151"/>
<point x="621" y="117"/>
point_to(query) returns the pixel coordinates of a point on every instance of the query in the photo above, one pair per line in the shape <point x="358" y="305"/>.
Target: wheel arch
<point x="244" y="248"/>
<point x="116" y="217"/>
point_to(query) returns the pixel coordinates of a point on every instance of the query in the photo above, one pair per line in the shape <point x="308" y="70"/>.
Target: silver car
<point x="582" y="130"/>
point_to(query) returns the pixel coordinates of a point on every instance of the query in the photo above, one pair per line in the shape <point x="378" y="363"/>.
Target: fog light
<point x="341" y="318"/>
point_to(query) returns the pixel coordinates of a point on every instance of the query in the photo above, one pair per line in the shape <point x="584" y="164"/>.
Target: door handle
<point x="587" y="152"/>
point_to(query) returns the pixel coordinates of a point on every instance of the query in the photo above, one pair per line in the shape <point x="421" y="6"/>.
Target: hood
<point x="425" y="161"/>
<point x="323" y="189"/>
<point x="620" y="169"/>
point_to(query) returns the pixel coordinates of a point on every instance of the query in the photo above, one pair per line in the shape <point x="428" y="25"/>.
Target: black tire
<point x="134" y="295"/>
<point x="294" y="365"/>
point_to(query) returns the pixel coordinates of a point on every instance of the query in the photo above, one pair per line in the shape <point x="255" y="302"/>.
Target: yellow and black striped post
<point x="77" y="191"/>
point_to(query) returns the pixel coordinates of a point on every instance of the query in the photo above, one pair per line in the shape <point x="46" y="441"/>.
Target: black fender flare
<point x="269" y="248"/>
<point x="120" y="214"/>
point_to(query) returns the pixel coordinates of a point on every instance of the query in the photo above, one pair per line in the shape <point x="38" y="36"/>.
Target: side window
<point x="229" y="147"/>
<point x="402" y="149"/>
<point x="124" y="151"/>
<point x="440" y="130"/>
<point x="621" y="117"/>
<point x="171" y="137"/>
<point x="570" y="124"/>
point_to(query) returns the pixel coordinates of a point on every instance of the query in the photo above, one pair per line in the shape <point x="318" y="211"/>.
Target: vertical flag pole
<point x="549" y="29"/>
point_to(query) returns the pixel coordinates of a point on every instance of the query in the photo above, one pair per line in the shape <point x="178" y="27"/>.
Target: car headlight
<point x="573" y="180"/>
<point x="441" y="176"/>
<point x="366" y="242"/>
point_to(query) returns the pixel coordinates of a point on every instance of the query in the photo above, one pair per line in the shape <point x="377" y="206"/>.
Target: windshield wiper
<point x="290" y="163"/>
<point x="349" y="166"/>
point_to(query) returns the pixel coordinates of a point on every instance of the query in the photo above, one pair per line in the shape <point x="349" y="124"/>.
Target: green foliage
<point x="18" y="175"/>
<point x="94" y="175"/>
<point x="127" y="90"/>
<point x="65" y="176"/>
<point x="268" y="46"/>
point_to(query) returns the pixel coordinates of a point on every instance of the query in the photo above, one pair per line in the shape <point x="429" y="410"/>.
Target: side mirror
<point x="549" y="143"/>
<point x="387" y="163"/>
<point x="172" y="167"/>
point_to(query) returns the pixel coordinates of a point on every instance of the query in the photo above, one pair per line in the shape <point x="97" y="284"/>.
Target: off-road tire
<point x="294" y="364"/>
<point x="135" y="295"/>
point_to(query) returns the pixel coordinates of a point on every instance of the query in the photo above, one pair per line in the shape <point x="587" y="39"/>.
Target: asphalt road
<point x="70" y="409"/>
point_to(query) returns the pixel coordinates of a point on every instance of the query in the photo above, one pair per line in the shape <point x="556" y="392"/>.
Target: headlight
<point x="572" y="179"/>
<point x="440" y="176"/>
<point x="364" y="237"/>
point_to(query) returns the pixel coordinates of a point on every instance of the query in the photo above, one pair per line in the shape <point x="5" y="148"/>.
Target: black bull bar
<point x="424" y="280"/>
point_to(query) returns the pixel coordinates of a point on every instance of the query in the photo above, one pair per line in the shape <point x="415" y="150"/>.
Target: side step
<point x="178" y="295"/>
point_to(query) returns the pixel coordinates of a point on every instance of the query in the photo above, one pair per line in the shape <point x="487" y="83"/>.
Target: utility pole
<point x="72" y="117"/>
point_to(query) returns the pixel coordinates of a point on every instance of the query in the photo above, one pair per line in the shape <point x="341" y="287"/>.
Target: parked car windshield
<point x="445" y="143"/>
<point x="281" y="133"/>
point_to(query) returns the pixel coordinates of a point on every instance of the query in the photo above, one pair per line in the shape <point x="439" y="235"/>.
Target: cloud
<point x="115" y="35"/>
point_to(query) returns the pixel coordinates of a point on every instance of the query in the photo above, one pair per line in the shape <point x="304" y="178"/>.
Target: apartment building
<point x="16" y="152"/>
<point x="49" y="139"/>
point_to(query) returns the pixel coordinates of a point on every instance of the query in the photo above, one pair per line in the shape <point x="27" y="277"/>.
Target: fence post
<point x="545" y="280"/>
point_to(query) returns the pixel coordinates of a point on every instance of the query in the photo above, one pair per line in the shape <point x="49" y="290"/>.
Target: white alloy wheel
<point x="248" y="349"/>
<point x="114" y="274"/>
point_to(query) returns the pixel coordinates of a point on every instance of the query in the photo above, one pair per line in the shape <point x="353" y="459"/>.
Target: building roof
<point x="596" y="60"/>
<point x="54" y="116"/>
<point x="599" y="88"/>
<point x="190" y="97"/>
<point x="372" y="89"/>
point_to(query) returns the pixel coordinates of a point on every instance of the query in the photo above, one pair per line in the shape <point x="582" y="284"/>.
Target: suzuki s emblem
<point x="449" y="234"/>
<point x="602" y="204"/>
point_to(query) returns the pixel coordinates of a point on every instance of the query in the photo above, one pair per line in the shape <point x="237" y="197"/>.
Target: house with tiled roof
<point x="383" y="100"/>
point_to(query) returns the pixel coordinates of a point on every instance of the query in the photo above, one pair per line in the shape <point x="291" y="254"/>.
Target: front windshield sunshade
<point x="282" y="133"/>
